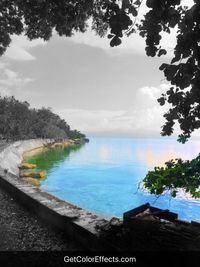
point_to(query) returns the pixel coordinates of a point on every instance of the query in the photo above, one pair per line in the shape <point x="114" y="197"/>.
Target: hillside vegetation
<point x="19" y="122"/>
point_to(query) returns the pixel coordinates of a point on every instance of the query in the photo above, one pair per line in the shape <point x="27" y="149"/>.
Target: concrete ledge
<point x="77" y="223"/>
<point x="12" y="155"/>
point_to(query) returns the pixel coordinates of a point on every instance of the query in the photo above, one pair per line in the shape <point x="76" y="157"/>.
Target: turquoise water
<point x="103" y="175"/>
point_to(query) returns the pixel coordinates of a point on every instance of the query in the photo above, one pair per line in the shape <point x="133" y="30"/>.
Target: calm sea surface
<point x="104" y="174"/>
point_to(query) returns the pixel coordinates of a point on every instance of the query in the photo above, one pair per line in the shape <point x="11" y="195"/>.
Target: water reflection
<point x="104" y="153"/>
<point x="157" y="155"/>
<point x="151" y="158"/>
<point x="103" y="176"/>
<point x="49" y="158"/>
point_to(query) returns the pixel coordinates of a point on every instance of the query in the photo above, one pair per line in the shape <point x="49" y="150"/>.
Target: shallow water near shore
<point x="103" y="175"/>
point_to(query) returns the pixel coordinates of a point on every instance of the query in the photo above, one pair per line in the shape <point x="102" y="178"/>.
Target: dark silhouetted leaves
<point x="161" y="101"/>
<point x="133" y="11"/>
<point x="38" y="19"/>
<point x="137" y="3"/>
<point x="151" y="3"/>
<point x="110" y="36"/>
<point x="114" y="19"/>
<point x="115" y="41"/>
<point x="162" y="52"/>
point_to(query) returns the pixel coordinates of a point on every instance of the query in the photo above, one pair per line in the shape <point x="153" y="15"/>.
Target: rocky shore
<point x="12" y="155"/>
<point x="29" y="172"/>
<point x="20" y="229"/>
<point x="73" y="221"/>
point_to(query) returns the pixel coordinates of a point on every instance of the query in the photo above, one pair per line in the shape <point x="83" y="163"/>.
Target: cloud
<point x="11" y="82"/>
<point x="20" y="48"/>
<point x="11" y="78"/>
<point x="145" y="118"/>
<point x="133" y="44"/>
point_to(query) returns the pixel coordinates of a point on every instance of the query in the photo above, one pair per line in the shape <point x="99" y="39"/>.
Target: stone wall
<point x="12" y="155"/>
<point x="79" y="224"/>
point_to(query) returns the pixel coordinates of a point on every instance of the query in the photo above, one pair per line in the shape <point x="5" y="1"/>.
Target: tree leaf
<point x="137" y="3"/>
<point x="115" y="41"/>
<point x="162" y="52"/>
<point x="133" y="11"/>
<point x="110" y="36"/>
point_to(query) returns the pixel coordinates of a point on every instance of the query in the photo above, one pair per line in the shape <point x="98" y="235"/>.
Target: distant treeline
<point x="18" y="121"/>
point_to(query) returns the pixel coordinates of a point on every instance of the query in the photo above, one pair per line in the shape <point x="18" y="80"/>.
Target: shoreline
<point x="12" y="155"/>
<point x="30" y="172"/>
<point x="52" y="144"/>
<point x="94" y="232"/>
<point x="79" y="224"/>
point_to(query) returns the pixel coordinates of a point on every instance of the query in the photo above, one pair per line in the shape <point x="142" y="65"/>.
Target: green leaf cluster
<point x="175" y="175"/>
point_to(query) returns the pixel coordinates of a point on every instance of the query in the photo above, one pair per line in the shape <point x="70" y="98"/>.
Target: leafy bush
<point x="176" y="174"/>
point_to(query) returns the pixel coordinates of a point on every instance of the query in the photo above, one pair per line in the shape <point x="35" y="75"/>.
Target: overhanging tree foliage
<point x="176" y="174"/>
<point x="38" y="19"/>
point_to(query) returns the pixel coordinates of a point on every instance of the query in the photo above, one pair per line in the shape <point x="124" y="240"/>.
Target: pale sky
<point x="95" y="88"/>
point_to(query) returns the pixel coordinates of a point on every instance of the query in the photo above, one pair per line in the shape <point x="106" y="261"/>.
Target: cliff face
<point x="12" y="155"/>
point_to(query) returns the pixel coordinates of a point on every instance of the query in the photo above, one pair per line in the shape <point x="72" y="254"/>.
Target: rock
<point x="115" y="222"/>
<point x="77" y="141"/>
<point x="32" y="181"/>
<point x="38" y="174"/>
<point x="57" y="145"/>
<point x="102" y="224"/>
<point x="147" y="215"/>
<point x="27" y="166"/>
